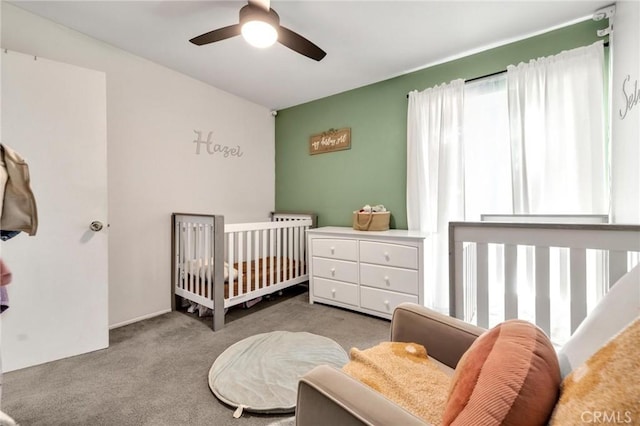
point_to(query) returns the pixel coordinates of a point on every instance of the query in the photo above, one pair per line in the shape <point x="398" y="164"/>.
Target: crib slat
<point x="250" y="266"/>
<point x="285" y="253"/>
<point x="302" y="238"/>
<point x="303" y="254"/>
<point x="191" y="241"/>
<point x="304" y="251"/>
<point x="211" y="253"/>
<point x="578" y="286"/>
<point x="200" y="253"/>
<point x="462" y="308"/>
<point x="510" y="281"/>
<point x="617" y="266"/>
<point x="256" y="260"/>
<point x="185" y="257"/>
<point x="247" y="235"/>
<point x="456" y="298"/>
<point x="196" y="250"/>
<point x="472" y="284"/>
<point x="193" y="252"/>
<point x="241" y="277"/>
<point x="601" y="287"/>
<point x="231" y="249"/>
<point x="565" y="292"/>
<point x="483" y="285"/>
<point x="278" y="254"/>
<point x="204" y="261"/>
<point x="296" y="252"/>
<point x="265" y="256"/>
<point x="290" y="256"/>
<point x="543" y="300"/>
<point x="271" y="254"/>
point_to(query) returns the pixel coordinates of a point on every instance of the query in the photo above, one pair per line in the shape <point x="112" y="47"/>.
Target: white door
<point x="54" y="115"/>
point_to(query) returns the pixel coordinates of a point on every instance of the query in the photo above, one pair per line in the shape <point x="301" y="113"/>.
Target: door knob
<point x="96" y="226"/>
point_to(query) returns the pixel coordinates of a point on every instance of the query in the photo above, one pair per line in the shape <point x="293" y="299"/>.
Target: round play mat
<point x="260" y="373"/>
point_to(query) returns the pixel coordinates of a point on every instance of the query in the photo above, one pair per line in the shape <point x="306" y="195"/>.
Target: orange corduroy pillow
<point x="509" y="376"/>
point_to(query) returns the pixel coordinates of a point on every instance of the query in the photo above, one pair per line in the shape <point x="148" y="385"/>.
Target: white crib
<point x="549" y="273"/>
<point x="217" y="265"/>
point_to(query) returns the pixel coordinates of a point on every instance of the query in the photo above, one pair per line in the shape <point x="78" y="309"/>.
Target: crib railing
<point x="273" y="252"/>
<point x="286" y="216"/>
<point x="488" y="283"/>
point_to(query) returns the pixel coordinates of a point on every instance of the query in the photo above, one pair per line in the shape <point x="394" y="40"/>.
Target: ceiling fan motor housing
<point x="250" y="13"/>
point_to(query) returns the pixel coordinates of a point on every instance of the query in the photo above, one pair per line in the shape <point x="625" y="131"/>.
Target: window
<point x="487" y="155"/>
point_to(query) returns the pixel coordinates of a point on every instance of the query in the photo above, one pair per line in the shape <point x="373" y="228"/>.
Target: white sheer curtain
<point x="487" y="152"/>
<point x="559" y="156"/>
<point x="435" y="178"/>
<point x="556" y="115"/>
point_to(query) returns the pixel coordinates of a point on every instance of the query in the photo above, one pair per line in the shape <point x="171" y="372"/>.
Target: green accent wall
<point x="373" y="171"/>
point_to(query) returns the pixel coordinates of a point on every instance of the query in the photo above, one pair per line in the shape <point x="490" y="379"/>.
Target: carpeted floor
<point x="155" y="371"/>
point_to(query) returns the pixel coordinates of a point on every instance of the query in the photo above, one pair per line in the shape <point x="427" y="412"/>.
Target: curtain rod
<point x="480" y="77"/>
<point x="606" y="44"/>
<point x="485" y="76"/>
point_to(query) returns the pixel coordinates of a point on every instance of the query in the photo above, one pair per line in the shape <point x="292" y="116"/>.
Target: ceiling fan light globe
<point x="259" y="33"/>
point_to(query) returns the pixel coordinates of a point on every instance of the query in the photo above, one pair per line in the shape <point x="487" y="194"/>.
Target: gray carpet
<point x="155" y="371"/>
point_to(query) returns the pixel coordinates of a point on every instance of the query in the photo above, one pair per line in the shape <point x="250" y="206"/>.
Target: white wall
<point x="625" y="132"/>
<point x="153" y="169"/>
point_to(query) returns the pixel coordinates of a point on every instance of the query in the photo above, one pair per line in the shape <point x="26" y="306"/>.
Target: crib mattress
<point x="247" y="276"/>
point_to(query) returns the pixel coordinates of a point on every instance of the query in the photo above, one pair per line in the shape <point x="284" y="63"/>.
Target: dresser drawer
<point x="335" y="269"/>
<point x="335" y="248"/>
<point x="389" y="278"/>
<point x="383" y="301"/>
<point x="335" y="291"/>
<point x="389" y="254"/>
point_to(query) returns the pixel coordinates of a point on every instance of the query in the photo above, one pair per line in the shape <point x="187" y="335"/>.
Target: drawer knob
<point x="333" y="292"/>
<point x="386" y="303"/>
<point x="333" y="272"/>
<point x="386" y="256"/>
<point x="386" y="280"/>
<point x="333" y="250"/>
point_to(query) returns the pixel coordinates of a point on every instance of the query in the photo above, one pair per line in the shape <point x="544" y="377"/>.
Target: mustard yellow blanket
<point x="403" y="373"/>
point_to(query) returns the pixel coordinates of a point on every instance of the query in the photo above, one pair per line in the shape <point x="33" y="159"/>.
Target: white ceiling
<point x="365" y="41"/>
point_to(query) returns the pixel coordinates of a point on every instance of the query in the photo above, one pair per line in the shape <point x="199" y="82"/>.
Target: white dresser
<point x="369" y="272"/>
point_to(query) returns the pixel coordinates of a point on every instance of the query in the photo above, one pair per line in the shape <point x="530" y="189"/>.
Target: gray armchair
<point x="327" y="396"/>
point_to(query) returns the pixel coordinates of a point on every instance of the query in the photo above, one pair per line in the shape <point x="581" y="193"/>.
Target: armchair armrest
<point x="445" y="338"/>
<point x="328" y="396"/>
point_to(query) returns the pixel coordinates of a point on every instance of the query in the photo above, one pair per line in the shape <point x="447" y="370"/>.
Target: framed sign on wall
<point x="331" y="140"/>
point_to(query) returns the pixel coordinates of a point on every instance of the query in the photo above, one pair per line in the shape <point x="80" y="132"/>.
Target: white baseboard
<point x="144" y="317"/>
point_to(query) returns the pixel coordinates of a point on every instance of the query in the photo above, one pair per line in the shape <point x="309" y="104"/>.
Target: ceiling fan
<point x="260" y="26"/>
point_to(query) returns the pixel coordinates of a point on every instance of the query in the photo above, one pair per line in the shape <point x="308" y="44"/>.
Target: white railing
<point x="272" y="252"/>
<point x="596" y="256"/>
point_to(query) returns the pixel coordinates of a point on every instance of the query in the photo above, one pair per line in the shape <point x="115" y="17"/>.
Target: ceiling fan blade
<point x="217" y="35"/>
<point x="297" y="43"/>
<point x="262" y="4"/>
